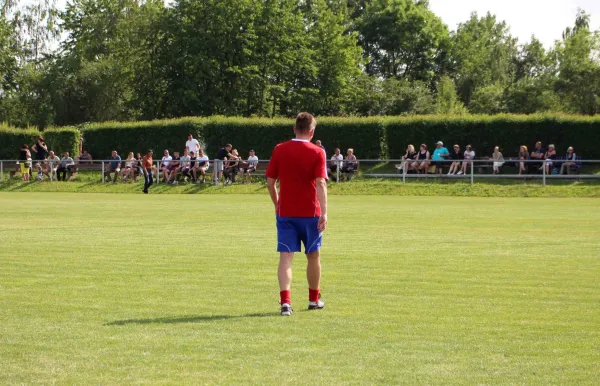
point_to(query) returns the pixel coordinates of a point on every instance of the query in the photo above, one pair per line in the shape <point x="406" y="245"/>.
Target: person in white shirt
<point x="164" y="166"/>
<point x="249" y="167"/>
<point x="192" y="144"/>
<point x="469" y="155"/>
<point x="201" y="166"/>
<point x="335" y="164"/>
<point x="184" y="167"/>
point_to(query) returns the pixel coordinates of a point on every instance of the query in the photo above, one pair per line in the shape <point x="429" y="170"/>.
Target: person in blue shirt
<point x="114" y="166"/>
<point x="440" y="154"/>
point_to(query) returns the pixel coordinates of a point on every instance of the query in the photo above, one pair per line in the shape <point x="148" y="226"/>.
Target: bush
<point x="12" y="139"/>
<point x="99" y="139"/>
<point x="62" y="139"/>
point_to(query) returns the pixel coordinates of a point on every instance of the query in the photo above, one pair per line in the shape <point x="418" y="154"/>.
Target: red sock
<point x="286" y="297"/>
<point x="313" y="295"/>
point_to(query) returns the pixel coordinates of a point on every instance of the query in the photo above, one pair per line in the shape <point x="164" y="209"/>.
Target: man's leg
<point x="284" y="274"/>
<point x="313" y="275"/>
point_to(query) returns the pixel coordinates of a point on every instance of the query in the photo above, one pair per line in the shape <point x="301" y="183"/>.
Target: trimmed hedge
<point x="508" y="132"/>
<point x="62" y="139"/>
<point x="11" y="140"/>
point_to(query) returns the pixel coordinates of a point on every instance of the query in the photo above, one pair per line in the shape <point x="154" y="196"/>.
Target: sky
<point x="546" y="19"/>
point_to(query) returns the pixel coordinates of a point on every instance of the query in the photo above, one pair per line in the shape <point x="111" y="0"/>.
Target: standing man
<point x="301" y="208"/>
<point x="192" y="144"/>
<point x="147" y="169"/>
<point x="222" y="155"/>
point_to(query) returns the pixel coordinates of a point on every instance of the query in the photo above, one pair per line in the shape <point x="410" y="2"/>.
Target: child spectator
<point x="25" y="162"/>
<point x="456" y="156"/>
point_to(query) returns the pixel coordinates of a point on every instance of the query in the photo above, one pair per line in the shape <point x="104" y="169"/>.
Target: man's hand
<point x="322" y="223"/>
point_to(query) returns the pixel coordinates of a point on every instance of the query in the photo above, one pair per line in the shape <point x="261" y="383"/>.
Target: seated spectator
<point x="231" y="167"/>
<point x="25" y="162"/>
<point x="422" y="163"/>
<point x="174" y="167"/>
<point x="128" y="168"/>
<point x="550" y="156"/>
<point x="53" y="164"/>
<point x="164" y="165"/>
<point x="184" y="167"/>
<point x="456" y="156"/>
<point x="114" y="166"/>
<point x="498" y="159"/>
<point x="538" y="153"/>
<point x="570" y="159"/>
<point x="350" y="164"/>
<point x="469" y="155"/>
<point x="201" y="167"/>
<point x="66" y="165"/>
<point x="249" y="167"/>
<point x="85" y="158"/>
<point x="408" y="159"/>
<point x="523" y="156"/>
<point x="334" y="164"/>
<point x="439" y="155"/>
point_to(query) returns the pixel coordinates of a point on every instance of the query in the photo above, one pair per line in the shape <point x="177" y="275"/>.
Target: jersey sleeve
<point x="320" y="166"/>
<point x="273" y="167"/>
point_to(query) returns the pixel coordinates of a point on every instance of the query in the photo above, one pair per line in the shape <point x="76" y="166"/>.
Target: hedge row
<point x="59" y="140"/>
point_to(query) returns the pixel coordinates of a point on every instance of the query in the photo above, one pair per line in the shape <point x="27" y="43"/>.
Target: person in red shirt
<point x="301" y="208"/>
<point x="147" y="169"/>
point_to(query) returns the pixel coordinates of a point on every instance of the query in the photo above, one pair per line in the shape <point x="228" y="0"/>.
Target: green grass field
<point x="182" y="289"/>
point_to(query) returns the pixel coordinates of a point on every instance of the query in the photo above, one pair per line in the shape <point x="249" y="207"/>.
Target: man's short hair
<point x="305" y="122"/>
<point x="228" y="145"/>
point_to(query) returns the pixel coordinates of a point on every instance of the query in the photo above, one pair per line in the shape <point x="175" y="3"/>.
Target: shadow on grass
<point x="189" y="319"/>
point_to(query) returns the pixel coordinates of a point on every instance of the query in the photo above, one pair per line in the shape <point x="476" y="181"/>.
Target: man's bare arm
<point x="322" y="194"/>
<point x="271" y="186"/>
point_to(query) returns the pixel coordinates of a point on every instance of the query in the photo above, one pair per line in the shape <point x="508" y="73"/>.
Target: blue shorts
<point x="293" y="230"/>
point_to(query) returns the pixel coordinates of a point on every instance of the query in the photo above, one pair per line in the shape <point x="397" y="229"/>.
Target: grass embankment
<point x="132" y="289"/>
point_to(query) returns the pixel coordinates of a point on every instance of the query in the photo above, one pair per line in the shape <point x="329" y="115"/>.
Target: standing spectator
<point x="550" y="156"/>
<point x="498" y="159"/>
<point x="164" y="165"/>
<point x="53" y="163"/>
<point x="439" y="155"/>
<point x="66" y="163"/>
<point x="219" y="163"/>
<point x="350" y="164"/>
<point x="523" y="156"/>
<point x="25" y="162"/>
<point x="249" y="167"/>
<point x="174" y="167"/>
<point x="538" y="153"/>
<point x="570" y="158"/>
<point x="231" y="167"/>
<point x="114" y="166"/>
<point x="192" y="144"/>
<point x="336" y="163"/>
<point x="469" y="155"/>
<point x="128" y="169"/>
<point x="422" y="163"/>
<point x="85" y="157"/>
<point x="147" y="170"/>
<point x="456" y="156"/>
<point x="40" y="148"/>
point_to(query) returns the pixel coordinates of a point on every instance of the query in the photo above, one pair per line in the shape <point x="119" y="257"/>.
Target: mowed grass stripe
<point x="98" y="288"/>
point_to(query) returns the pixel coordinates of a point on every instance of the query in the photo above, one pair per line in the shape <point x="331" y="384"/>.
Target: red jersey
<point x="296" y="164"/>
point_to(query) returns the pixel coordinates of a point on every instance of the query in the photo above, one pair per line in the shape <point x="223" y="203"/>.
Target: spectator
<point x="550" y="156"/>
<point x="538" y="153"/>
<point x="219" y="163"/>
<point x="174" y="167"/>
<point x="192" y="144"/>
<point x="498" y="159"/>
<point x="128" y="169"/>
<point x="469" y="155"/>
<point x="422" y="163"/>
<point x="53" y="163"/>
<point x="336" y="163"/>
<point x="231" y="167"/>
<point x="25" y="162"/>
<point x="147" y="164"/>
<point x="523" y="156"/>
<point x="137" y="168"/>
<point x="408" y="158"/>
<point x="439" y="155"/>
<point x="570" y="158"/>
<point x="456" y="156"/>
<point x="319" y="144"/>
<point x="40" y="148"/>
<point x="202" y="166"/>
<point x="164" y="165"/>
<point x="350" y="164"/>
<point x="66" y="164"/>
<point x="184" y="163"/>
<point x="249" y="167"/>
<point x="85" y="157"/>
<point x="114" y="166"/>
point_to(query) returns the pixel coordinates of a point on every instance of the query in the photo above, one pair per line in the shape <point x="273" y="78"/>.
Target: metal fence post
<point x="102" y="171"/>
<point x="544" y="171"/>
<point x="157" y="172"/>
<point x="472" y="172"/>
<point x="1" y="171"/>
<point x="403" y="171"/>
<point x="337" y="171"/>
